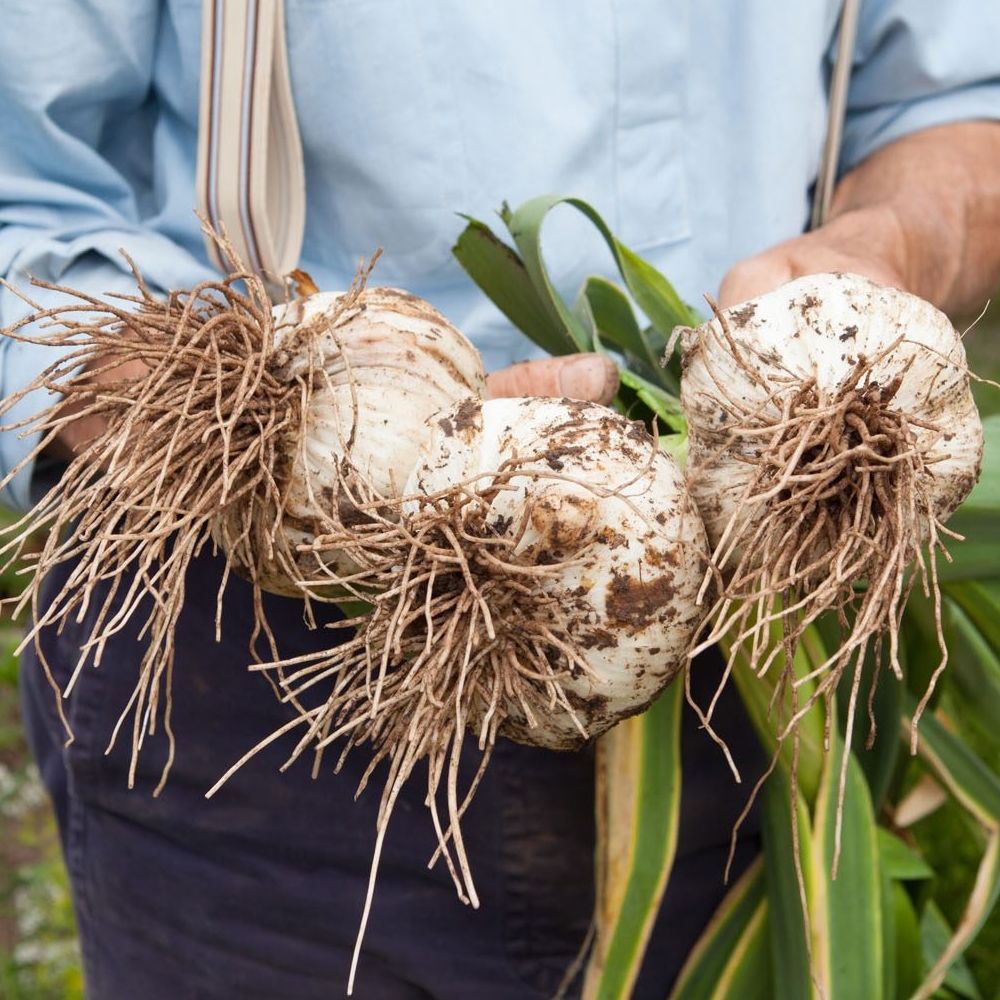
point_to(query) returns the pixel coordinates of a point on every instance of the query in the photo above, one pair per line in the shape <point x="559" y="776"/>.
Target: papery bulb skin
<point x="839" y="333"/>
<point x="374" y="366"/>
<point x="578" y="487"/>
<point x="385" y="367"/>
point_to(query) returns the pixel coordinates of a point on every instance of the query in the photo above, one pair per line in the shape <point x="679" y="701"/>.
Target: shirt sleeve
<point x="920" y="63"/>
<point x="78" y="109"/>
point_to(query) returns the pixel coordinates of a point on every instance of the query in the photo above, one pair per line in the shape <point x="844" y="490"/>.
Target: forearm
<point x="930" y="202"/>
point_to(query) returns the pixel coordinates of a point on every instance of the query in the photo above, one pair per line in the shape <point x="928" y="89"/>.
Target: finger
<point x="577" y="376"/>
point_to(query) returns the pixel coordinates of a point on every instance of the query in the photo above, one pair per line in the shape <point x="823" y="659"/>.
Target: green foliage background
<point x="947" y="839"/>
<point x="39" y="957"/>
<point x="888" y="924"/>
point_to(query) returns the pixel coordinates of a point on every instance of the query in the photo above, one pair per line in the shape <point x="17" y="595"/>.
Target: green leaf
<point x="610" y="312"/>
<point x="605" y="310"/>
<point x="518" y="282"/>
<point x="977" y="789"/>
<point x="748" y="974"/>
<point x="935" y="935"/>
<point x="846" y="910"/>
<point x="903" y="944"/>
<point x="971" y="632"/>
<point x="978" y="519"/>
<point x="732" y="934"/>
<point x="652" y="291"/>
<point x="920" y="640"/>
<point x="758" y="696"/>
<point x="980" y="600"/>
<point x="656" y="296"/>
<point x="639" y="786"/>
<point x="501" y="274"/>
<point x="899" y="861"/>
<point x="790" y="947"/>
<point x="843" y="956"/>
<point x="965" y="776"/>
<point x="663" y="406"/>
<point x="986" y="494"/>
<point x="879" y="759"/>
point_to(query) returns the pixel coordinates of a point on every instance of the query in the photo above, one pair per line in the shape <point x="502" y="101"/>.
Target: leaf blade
<point x="501" y="274"/>
<point x="639" y="814"/>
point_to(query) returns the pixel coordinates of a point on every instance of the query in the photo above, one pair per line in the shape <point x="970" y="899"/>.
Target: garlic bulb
<point x="577" y="488"/>
<point x="813" y="342"/>
<point x="374" y="365"/>
<point x="832" y="432"/>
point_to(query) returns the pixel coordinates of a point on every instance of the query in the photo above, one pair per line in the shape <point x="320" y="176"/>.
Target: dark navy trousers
<point x="256" y="893"/>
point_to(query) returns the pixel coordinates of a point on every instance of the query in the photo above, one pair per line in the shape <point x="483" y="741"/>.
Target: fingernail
<point x="592" y="377"/>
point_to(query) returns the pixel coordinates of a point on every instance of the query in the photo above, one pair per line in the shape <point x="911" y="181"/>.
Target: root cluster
<point x="196" y="418"/>
<point x="837" y="518"/>
<point x="190" y="422"/>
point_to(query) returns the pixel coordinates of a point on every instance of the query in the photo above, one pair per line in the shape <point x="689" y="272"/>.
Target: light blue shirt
<point x="694" y="126"/>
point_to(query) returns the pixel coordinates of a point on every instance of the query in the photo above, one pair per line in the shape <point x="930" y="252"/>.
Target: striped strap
<point x="251" y="182"/>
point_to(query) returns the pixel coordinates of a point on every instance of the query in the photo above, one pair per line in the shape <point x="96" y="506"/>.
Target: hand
<point x="865" y="241"/>
<point x="77" y="434"/>
<point x="921" y="213"/>
<point x="579" y="376"/>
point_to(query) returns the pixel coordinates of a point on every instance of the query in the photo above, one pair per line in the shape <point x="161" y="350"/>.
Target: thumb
<point x="588" y="376"/>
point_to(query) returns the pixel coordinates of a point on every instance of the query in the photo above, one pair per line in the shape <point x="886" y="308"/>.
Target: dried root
<point x="199" y="426"/>
<point x="838" y="497"/>
<point x="837" y="511"/>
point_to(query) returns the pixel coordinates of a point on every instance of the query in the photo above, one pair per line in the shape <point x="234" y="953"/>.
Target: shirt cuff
<point x="866" y="131"/>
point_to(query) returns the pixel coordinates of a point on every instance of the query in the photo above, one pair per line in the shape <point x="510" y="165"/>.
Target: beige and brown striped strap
<point x="251" y="181"/>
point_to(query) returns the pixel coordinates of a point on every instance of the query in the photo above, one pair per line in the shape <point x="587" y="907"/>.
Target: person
<point x="696" y="130"/>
